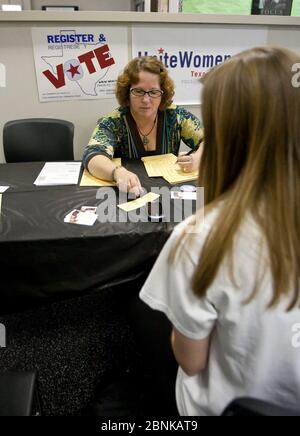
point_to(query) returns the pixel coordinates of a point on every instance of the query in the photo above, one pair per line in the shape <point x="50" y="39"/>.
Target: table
<point x="43" y="257"/>
<point x="74" y="343"/>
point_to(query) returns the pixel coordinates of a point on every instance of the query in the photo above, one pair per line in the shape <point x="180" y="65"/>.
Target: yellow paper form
<point x="88" y="180"/>
<point x="139" y="202"/>
<point x="155" y="165"/>
<point x="174" y="175"/>
<point x="164" y="165"/>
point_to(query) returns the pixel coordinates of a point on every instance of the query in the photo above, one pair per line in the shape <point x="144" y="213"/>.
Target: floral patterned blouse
<point x="116" y="134"/>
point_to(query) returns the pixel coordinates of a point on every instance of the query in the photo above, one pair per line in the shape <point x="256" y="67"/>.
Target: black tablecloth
<point x="41" y="256"/>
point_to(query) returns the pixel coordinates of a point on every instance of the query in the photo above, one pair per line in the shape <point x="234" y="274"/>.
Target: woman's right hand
<point x="128" y="181"/>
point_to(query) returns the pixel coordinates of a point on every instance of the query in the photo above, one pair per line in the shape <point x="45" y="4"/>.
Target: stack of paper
<point x="88" y="180"/>
<point x="59" y="173"/>
<point x="164" y="165"/>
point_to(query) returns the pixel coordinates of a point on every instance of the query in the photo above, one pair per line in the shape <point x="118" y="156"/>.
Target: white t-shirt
<point x="254" y="350"/>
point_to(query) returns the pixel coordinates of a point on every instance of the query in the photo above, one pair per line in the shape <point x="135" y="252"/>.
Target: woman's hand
<point x="128" y="181"/>
<point x="187" y="163"/>
<point x="191" y="162"/>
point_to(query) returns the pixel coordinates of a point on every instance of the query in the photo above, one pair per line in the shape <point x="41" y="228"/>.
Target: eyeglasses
<point x="153" y="93"/>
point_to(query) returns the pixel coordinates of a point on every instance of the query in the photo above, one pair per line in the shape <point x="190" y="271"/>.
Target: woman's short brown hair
<point x="130" y="76"/>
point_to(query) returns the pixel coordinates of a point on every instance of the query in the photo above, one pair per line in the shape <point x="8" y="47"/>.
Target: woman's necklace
<point x="145" y="138"/>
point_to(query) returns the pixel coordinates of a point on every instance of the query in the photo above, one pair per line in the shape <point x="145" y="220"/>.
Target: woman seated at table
<point x="145" y="124"/>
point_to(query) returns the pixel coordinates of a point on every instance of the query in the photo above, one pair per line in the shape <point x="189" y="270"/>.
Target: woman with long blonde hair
<point x="231" y="287"/>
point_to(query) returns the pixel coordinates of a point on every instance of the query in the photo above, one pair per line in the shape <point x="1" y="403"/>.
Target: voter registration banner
<point x="190" y="51"/>
<point x="74" y="63"/>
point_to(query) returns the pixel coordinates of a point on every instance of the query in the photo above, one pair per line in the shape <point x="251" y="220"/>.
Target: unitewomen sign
<point x="189" y="51"/>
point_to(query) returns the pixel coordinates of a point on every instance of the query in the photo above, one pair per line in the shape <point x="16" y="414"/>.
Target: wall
<point x="19" y="99"/>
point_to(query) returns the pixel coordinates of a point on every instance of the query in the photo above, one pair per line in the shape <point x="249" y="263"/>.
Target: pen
<point x="189" y="152"/>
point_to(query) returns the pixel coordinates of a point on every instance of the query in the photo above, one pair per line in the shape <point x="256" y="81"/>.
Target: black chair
<point x="19" y="394"/>
<point x="38" y="140"/>
<point x="254" y="407"/>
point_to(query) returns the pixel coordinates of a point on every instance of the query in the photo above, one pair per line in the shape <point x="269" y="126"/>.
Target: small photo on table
<point x="85" y="216"/>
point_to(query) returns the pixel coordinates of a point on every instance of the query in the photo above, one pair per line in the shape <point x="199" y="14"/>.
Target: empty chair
<point x="38" y="139"/>
<point x="19" y="393"/>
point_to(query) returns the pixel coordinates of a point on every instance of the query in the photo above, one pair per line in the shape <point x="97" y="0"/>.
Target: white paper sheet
<point x="59" y="173"/>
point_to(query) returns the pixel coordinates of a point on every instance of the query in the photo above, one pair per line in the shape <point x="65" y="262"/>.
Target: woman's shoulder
<point x="115" y="116"/>
<point x="248" y="238"/>
<point x="173" y="109"/>
<point x="200" y="221"/>
<point x="192" y="232"/>
<point x="179" y="112"/>
<point x="115" y="113"/>
<point x="176" y="108"/>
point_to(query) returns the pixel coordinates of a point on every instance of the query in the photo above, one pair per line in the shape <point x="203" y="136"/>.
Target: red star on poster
<point x="161" y="50"/>
<point x="73" y="70"/>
